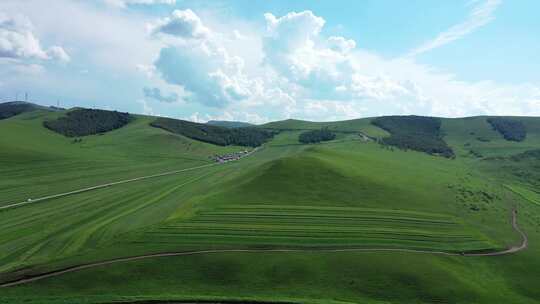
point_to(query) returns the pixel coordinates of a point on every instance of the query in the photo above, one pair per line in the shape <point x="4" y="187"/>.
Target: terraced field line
<point x="54" y="273"/>
<point x="36" y="200"/>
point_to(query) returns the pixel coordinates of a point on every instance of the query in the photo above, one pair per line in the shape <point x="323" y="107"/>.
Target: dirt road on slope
<point x="37" y="200"/>
<point x="524" y="241"/>
<point x="40" y="199"/>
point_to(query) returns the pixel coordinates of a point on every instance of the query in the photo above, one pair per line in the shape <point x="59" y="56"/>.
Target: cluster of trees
<point x="82" y="122"/>
<point x="229" y="124"/>
<point x="417" y="133"/>
<point x="511" y="130"/>
<point x="250" y="137"/>
<point x="9" y="109"/>
<point x="316" y="136"/>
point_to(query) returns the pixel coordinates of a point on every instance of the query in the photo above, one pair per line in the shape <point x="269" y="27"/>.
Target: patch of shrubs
<point x="250" y="137"/>
<point x="533" y="155"/>
<point x="9" y="109"/>
<point x="476" y="153"/>
<point x="83" y="122"/>
<point x="525" y="166"/>
<point x="417" y="133"/>
<point x="483" y="139"/>
<point x="316" y="136"/>
<point x="512" y="130"/>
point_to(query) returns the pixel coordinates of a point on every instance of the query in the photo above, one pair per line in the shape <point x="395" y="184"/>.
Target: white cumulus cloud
<point x="58" y="53"/>
<point x="326" y="68"/>
<point x="199" y="63"/>
<point x="291" y="69"/>
<point x="18" y="41"/>
<point x="340" y="44"/>
<point x="208" y="74"/>
<point x="183" y="24"/>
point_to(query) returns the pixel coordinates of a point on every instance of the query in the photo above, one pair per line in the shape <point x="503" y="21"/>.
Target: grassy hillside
<point x="348" y="193"/>
<point x="35" y="161"/>
<point x="332" y="203"/>
<point x="474" y="135"/>
<point x="9" y="109"/>
<point x="347" y="126"/>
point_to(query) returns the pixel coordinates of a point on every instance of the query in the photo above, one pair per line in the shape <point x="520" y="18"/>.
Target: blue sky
<point x="266" y="60"/>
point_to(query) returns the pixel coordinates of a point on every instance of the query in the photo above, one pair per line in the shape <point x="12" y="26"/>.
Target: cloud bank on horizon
<point x="154" y="57"/>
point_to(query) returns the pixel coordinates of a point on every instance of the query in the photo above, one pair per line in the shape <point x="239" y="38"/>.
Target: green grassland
<point x="476" y="134"/>
<point x="343" y="194"/>
<point x="527" y="194"/>
<point x="348" y="126"/>
<point x="36" y="161"/>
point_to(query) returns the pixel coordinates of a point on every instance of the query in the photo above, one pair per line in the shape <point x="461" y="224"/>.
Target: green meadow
<point x="315" y="202"/>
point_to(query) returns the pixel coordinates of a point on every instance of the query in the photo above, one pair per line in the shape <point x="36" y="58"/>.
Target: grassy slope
<point x="363" y="125"/>
<point x="36" y="161"/>
<point x="328" y="196"/>
<point x="271" y="193"/>
<point x="463" y="135"/>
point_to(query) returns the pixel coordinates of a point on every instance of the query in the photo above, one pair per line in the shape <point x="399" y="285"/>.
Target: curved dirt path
<point x="524" y="241"/>
<point x="524" y="244"/>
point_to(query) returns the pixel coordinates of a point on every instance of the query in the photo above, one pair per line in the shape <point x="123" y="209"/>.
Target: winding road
<point x="524" y="240"/>
<point x="524" y="244"/>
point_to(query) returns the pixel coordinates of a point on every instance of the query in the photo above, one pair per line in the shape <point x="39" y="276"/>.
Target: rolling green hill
<point x="13" y="108"/>
<point x="350" y="220"/>
<point x="347" y="126"/>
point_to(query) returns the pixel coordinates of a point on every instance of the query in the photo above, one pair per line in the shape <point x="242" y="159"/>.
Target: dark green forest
<point x="510" y="129"/>
<point x="82" y="122"/>
<point x="417" y="133"/>
<point x="10" y="109"/>
<point x="229" y="124"/>
<point x="316" y="136"/>
<point x="250" y="137"/>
